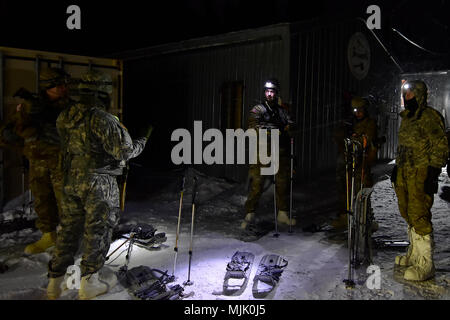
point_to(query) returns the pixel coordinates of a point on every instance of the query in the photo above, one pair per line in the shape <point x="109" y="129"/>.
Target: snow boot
<point x="423" y="266"/>
<point x="283" y="218"/>
<point x="92" y="285"/>
<point x="249" y="218"/>
<point x="408" y="259"/>
<point x="47" y="240"/>
<point x="54" y="289"/>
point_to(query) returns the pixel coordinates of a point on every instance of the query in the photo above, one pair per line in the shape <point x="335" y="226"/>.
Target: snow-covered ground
<point x="317" y="260"/>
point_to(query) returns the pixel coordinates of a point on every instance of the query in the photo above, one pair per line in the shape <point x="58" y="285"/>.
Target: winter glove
<point x="431" y="182"/>
<point x="394" y="174"/>
<point x="448" y="167"/>
<point x="146" y="132"/>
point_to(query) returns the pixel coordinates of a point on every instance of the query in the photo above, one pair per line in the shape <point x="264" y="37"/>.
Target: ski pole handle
<point x="182" y="183"/>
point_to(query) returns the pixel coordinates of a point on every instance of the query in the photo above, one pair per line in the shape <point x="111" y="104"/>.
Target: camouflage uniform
<point x="364" y="127"/>
<point x="422" y="152"/>
<point x="34" y="129"/>
<point x="422" y="143"/>
<point x="95" y="147"/>
<point x="261" y="117"/>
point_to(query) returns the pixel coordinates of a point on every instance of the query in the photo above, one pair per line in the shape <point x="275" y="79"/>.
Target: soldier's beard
<point x="270" y="100"/>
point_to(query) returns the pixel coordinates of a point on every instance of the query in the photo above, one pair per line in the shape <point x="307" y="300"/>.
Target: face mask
<point x="411" y="105"/>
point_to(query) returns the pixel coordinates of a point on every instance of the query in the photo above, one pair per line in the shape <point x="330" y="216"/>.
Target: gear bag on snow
<point x="144" y="234"/>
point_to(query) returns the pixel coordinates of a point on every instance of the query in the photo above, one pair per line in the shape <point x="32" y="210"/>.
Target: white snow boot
<point x="47" y="240"/>
<point x="408" y="259"/>
<point x="283" y="218"/>
<point x="54" y="288"/>
<point x="249" y="218"/>
<point x="94" y="285"/>
<point x="423" y="266"/>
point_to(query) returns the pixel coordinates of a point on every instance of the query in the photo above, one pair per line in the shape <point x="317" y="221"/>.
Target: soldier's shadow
<point x="445" y="195"/>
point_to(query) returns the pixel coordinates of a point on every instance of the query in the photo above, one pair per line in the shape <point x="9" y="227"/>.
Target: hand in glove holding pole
<point x="146" y="132"/>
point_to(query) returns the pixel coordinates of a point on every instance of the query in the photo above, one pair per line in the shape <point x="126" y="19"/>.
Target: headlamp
<point x="269" y="85"/>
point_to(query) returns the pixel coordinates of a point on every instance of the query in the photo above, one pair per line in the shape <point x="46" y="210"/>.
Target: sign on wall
<point x="358" y="55"/>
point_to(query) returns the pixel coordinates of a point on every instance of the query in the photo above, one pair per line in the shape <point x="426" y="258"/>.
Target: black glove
<point x="431" y="182"/>
<point x="394" y="174"/>
<point x="448" y="167"/>
<point x="146" y="132"/>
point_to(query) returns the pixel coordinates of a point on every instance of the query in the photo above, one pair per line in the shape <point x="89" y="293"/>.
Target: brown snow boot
<point x="54" y="288"/>
<point x="47" y="240"/>
<point x="283" y="218"/>
<point x="249" y="218"/>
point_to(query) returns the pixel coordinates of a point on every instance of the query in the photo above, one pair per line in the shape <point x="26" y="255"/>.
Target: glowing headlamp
<point x="269" y="85"/>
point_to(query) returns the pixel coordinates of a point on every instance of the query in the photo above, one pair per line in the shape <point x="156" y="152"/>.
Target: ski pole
<point x="24" y="205"/>
<point x="349" y="282"/>
<point x="107" y="258"/>
<point x="188" y="282"/>
<point x="292" y="178"/>
<point x="276" y="235"/>
<point x="363" y="160"/>
<point x="178" y="226"/>
<point x="346" y="176"/>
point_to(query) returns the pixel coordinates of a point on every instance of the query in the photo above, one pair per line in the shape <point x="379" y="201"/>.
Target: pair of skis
<point x="359" y="221"/>
<point x="194" y="191"/>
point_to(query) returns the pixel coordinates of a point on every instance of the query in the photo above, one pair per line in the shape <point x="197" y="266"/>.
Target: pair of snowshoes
<point x="145" y="283"/>
<point x="268" y="274"/>
<point x="144" y="235"/>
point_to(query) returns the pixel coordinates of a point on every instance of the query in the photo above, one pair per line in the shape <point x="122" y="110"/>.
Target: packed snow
<point x="317" y="256"/>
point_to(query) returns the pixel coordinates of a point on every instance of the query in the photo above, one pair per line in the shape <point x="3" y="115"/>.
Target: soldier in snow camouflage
<point x="422" y="152"/>
<point x="95" y="148"/>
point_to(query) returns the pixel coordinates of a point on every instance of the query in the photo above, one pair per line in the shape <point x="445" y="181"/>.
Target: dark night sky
<point x="109" y="27"/>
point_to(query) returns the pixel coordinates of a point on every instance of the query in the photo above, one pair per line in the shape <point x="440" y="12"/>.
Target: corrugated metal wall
<point x="310" y="59"/>
<point x="204" y="71"/>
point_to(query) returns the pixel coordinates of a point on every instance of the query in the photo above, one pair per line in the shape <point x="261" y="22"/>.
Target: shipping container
<point x="20" y="68"/>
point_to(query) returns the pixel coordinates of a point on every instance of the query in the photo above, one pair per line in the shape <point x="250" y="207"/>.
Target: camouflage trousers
<point x="414" y="204"/>
<point x="282" y="179"/>
<point x="46" y="185"/>
<point x="90" y="213"/>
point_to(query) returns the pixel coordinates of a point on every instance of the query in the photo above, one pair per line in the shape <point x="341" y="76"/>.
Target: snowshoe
<point x="145" y="283"/>
<point x="238" y="270"/>
<point x="268" y="274"/>
<point x="145" y="235"/>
